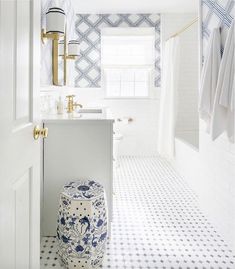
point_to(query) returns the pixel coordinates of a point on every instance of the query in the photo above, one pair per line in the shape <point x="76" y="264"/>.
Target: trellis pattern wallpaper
<point x="88" y="30"/>
<point x="216" y="13"/>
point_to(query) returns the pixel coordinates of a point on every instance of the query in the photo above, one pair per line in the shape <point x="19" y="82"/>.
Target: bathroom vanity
<point x="79" y="146"/>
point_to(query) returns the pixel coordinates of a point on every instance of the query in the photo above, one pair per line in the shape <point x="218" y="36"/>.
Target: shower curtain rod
<point x="186" y="27"/>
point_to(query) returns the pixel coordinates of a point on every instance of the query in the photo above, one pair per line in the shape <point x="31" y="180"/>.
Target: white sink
<point x="90" y="110"/>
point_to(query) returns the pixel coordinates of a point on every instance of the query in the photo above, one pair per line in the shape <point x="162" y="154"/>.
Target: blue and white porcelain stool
<point x="82" y="224"/>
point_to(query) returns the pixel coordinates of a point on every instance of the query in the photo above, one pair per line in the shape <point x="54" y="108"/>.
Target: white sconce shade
<point x="61" y="48"/>
<point x="73" y="48"/>
<point x="55" y="20"/>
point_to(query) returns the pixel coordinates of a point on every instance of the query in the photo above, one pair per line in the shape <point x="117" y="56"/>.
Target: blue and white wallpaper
<point x="216" y="13"/>
<point x="88" y="31"/>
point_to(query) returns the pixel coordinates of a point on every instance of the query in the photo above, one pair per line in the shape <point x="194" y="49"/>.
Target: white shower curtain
<point x="168" y="104"/>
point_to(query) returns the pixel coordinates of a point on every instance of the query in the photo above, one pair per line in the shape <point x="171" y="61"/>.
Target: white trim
<point x="130" y="31"/>
<point x="146" y="67"/>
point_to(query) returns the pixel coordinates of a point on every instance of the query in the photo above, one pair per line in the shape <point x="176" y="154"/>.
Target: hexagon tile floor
<point x="157" y="223"/>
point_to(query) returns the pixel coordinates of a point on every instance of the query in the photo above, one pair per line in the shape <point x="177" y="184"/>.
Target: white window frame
<point x="138" y="31"/>
<point x="104" y="81"/>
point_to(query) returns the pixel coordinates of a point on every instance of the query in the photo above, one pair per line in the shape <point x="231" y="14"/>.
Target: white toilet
<point x="117" y="138"/>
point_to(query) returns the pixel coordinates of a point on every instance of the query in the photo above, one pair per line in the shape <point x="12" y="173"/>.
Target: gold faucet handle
<point x="70" y="97"/>
<point x="71" y="104"/>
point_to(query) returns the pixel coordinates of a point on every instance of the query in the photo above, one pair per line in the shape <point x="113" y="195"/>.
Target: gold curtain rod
<point x="186" y="27"/>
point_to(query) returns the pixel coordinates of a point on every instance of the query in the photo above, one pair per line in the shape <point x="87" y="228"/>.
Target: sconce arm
<point x="69" y="57"/>
<point x="53" y="36"/>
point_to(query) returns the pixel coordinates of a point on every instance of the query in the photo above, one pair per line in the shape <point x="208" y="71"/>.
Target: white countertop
<point x="75" y="116"/>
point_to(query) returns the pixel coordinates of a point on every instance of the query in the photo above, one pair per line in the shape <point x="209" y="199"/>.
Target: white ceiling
<point x="135" y="6"/>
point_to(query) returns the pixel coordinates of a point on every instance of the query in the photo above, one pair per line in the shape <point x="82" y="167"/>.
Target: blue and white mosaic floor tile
<point x="157" y="223"/>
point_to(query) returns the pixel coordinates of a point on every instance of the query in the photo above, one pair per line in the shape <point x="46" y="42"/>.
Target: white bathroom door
<point x="19" y="152"/>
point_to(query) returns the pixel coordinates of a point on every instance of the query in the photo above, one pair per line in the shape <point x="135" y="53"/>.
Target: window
<point x="127" y="57"/>
<point x="126" y="82"/>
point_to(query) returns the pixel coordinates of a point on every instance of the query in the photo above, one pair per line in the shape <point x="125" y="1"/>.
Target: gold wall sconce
<point x="56" y="31"/>
<point x="68" y="51"/>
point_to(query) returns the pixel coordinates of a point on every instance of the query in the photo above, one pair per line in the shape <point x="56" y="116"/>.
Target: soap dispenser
<point x="60" y="106"/>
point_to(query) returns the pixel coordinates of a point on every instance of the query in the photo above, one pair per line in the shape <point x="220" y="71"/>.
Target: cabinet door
<point x="77" y="149"/>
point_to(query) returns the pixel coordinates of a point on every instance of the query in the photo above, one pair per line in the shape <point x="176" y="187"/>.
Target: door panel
<point x="22" y="194"/>
<point x="19" y="152"/>
<point x="22" y="71"/>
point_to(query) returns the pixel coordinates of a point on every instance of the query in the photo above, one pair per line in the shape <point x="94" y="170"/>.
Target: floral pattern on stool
<point x="82" y="224"/>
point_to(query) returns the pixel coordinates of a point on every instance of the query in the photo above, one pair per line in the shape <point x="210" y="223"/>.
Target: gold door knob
<point x="37" y="132"/>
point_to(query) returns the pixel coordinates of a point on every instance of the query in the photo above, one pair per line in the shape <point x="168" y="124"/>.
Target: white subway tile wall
<point x="218" y="157"/>
<point x="211" y="171"/>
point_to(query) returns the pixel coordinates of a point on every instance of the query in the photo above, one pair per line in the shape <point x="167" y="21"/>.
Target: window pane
<point x="113" y="75"/>
<point x="128" y="75"/>
<point x="127" y="82"/>
<point x="141" y="89"/>
<point x="127" y="88"/>
<point x="113" y="89"/>
<point x="141" y="75"/>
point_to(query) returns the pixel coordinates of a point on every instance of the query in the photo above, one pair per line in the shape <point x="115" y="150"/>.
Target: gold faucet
<point x="71" y="105"/>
